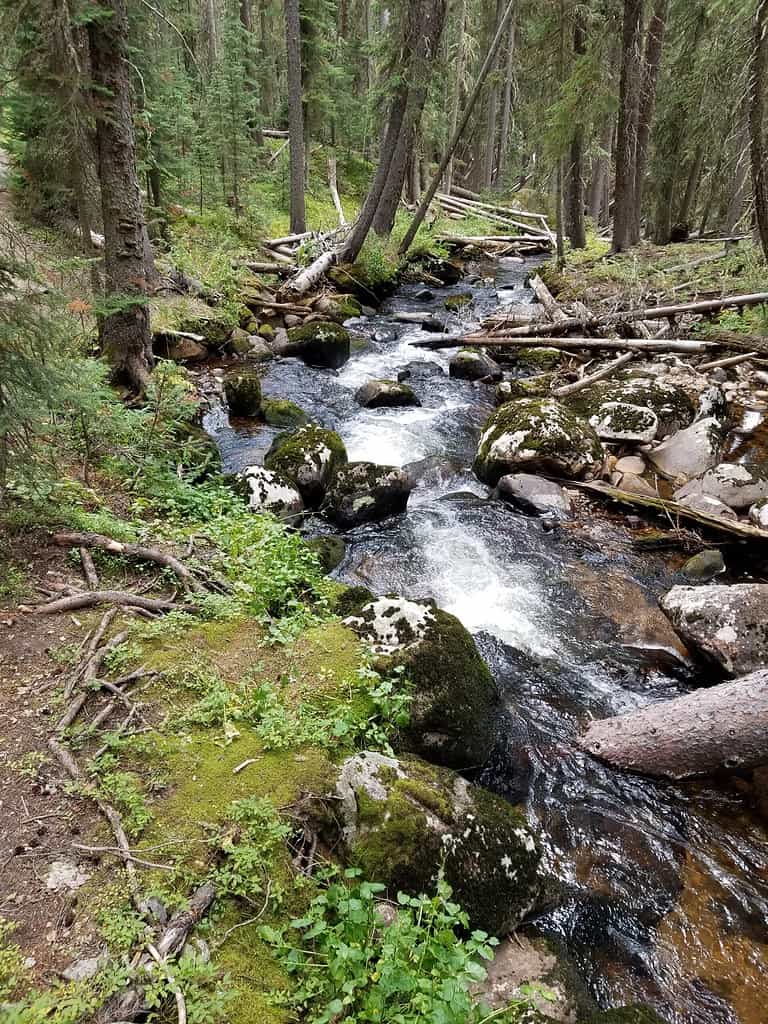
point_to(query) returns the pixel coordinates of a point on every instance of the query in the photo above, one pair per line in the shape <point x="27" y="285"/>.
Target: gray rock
<point x="671" y="405"/>
<point x="689" y="452"/>
<point x="424" y="295"/>
<point x="309" y="458"/>
<point x="420" y="369"/>
<point x="363" y="492"/>
<point x="733" y="484"/>
<point x="620" y="421"/>
<point x="758" y="514"/>
<point x="634" y="484"/>
<point x="469" y="364"/>
<point x="86" y="968"/>
<point x="259" y="350"/>
<point x="534" y="494"/>
<point x="368" y="311"/>
<point x="708" y="505"/>
<point x="704" y="567"/>
<point x="508" y="391"/>
<point x="711" y="403"/>
<point x="403" y="819"/>
<point x="65" y="875"/>
<point x="181" y="350"/>
<point x="271" y="492"/>
<point x="727" y="623"/>
<point x="378" y="394"/>
<point x="630" y="464"/>
<point x="320" y="343"/>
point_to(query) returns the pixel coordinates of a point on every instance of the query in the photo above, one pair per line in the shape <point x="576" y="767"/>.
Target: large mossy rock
<point x="453" y="714"/>
<point x="320" y="343"/>
<point x="270" y="492"/>
<point x="671" y="406"/>
<point x="280" y="412"/>
<point x="309" y="458"/>
<point x="471" y="364"/>
<point x="403" y="819"/>
<point x="385" y="394"/>
<point x="366" y="285"/>
<point x="242" y="388"/>
<point x="536" y="435"/>
<point x="363" y="492"/>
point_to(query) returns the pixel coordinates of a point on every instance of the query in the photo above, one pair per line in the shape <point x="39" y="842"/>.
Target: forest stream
<point x="658" y="891"/>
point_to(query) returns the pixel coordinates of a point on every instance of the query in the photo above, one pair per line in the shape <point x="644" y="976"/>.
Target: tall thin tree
<point x="625" y="194"/>
<point x="295" y="115"/>
<point x="757" y="86"/>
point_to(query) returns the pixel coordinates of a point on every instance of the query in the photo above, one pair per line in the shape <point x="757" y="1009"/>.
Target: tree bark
<point x="725" y="726"/>
<point x="574" y="211"/>
<point x="125" y="330"/>
<point x="489" y="157"/>
<point x="506" y="108"/>
<point x="601" y="169"/>
<point x="757" y="86"/>
<point x="209" y="31"/>
<point x="650" y="75"/>
<point x="626" y="141"/>
<point x="295" y="115"/>
<point x="461" y="56"/>
<point x="692" y="187"/>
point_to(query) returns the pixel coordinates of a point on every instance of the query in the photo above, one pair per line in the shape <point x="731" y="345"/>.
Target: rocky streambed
<point x="656" y="893"/>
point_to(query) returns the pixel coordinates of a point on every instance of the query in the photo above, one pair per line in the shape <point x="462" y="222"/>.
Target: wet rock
<point x="733" y="484"/>
<point x="634" y="484"/>
<point x="531" y="965"/>
<point x="378" y="394"/>
<point x="672" y="407"/>
<point x="448" y="271"/>
<point x="727" y="623"/>
<point x="280" y="412"/>
<point x="242" y="388"/>
<point x="402" y="819"/>
<point x="508" y="391"/>
<point x="271" y="492"/>
<point x="689" y="452"/>
<point x="420" y="369"/>
<point x="309" y="458"/>
<point x="470" y="364"/>
<point x="704" y="567"/>
<point x="330" y="551"/>
<point x="180" y="350"/>
<point x="338" y="307"/>
<point x="635" y="1014"/>
<point x="536" y="435"/>
<point x="533" y="494"/>
<point x="424" y="295"/>
<point x="711" y="404"/>
<point x="708" y="505"/>
<point x="363" y="492"/>
<point x="239" y="342"/>
<point x="320" y="344"/>
<point x="620" y="421"/>
<point x="453" y="715"/>
<point x="460" y="301"/>
<point x="630" y="464"/>
<point x="758" y="514"/>
<point x="539" y="359"/>
<point x="259" y="350"/>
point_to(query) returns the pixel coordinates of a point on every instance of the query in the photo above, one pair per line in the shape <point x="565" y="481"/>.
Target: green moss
<point x="266" y="331"/>
<point x="539" y="359"/>
<point x="671" y="404"/>
<point x="329" y="550"/>
<point x="454" y="302"/>
<point x="280" y="412"/>
<point x="242" y="387"/>
<point x="308" y="457"/>
<point x="325" y="330"/>
<point x="370" y="280"/>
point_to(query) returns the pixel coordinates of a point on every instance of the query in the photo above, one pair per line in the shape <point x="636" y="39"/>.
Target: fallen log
<point x="275" y="243"/>
<point x="473" y="197"/>
<point x="500" y="239"/>
<point x="115" y="547"/>
<point x="547" y="299"/>
<point x="691" y="346"/>
<point x="466" y="206"/>
<point x="274" y="133"/>
<point x="93" y="597"/>
<point x="725" y="726"/>
<point x="722" y="364"/>
<point x="263" y="267"/>
<point x="309" y="277"/>
<point x="593" y="378"/>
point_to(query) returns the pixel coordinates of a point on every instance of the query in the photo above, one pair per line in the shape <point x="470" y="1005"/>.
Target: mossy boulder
<point x="453" y="715"/>
<point x="240" y="342"/>
<point x="280" y="412"/>
<point x="309" y="458"/>
<point x="385" y="394"/>
<point x="536" y="435"/>
<point x="271" y="492"/>
<point x="471" y="364"/>
<point x="363" y="492"/>
<point x="330" y="551"/>
<point x="366" y="284"/>
<point x="266" y="331"/>
<point x="242" y="388"/>
<point x="621" y="421"/>
<point x="509" y="391"/>
<point x="672" y="407"/>
<point x="338" y="307"/>
<point x="460" y="301"/>
<point x="320" y="343"/>
<point x="539" y="360"/>
<point x="402" y="820"/>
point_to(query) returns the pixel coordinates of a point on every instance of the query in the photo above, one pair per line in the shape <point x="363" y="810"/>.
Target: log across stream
<point x="658" y="891"/>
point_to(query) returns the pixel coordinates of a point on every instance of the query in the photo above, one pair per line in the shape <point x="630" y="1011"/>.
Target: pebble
<point x="704" y="566"/>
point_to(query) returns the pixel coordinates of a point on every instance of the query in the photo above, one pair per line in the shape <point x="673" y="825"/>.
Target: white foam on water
<point x="469" y="582"/>
<point x="394" y="437"/>
<point x="385" y="364"/>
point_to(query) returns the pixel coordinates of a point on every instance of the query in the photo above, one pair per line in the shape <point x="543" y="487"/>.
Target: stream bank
<point x="657" y="892"/>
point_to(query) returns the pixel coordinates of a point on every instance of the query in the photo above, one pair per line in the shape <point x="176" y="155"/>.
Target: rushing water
<point x="658" y="893"/>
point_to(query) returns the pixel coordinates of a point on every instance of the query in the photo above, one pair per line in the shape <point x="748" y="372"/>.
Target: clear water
<point x="659" y="893"/>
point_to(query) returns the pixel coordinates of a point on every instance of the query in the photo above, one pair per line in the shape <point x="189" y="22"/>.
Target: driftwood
<point x="730" y="361"/>
<point x="88" y="599"/>
<point x="585" y="382"/>
<point x="263" y="267"/>
<point x="307" y="278"/>
<point x="725" y="726"/>
<point x="547" y="299"/>
<point x="691" y="346"/>
<point x="114" y="547"/>
<point x="467" y="206"/>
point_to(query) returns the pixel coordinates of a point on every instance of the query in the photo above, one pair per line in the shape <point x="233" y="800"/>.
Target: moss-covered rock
<point x="385" y="394"/>
<point x="509" y="391"/>
<point x="539" y="360"/>
<point x="240" y="342"/>
<point x="672" y="407"/>
<point x="271" y="492"/>
<point x="471" y="364"/>
<point x="309" y="457"/>
<point x="453" y="716"/>
<point x="536" y="435"/>
<point x="455" y="302"/>
<point x="242" y="388"/>
<point x="366" y="285"/>
<point x="330" y="551"/>
<point x="404" y="819"/>
<point x="267" y="331"/>
<point x="320" y="343"/>
<point x="280" y="412"/>
<point x="363" y="492"/>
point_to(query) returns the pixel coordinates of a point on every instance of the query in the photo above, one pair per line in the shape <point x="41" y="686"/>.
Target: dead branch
<point x="94" y="597"/>
<point x="114" y="547"/>
<point x="585" y="382"/>
<point x="89" y="569"/>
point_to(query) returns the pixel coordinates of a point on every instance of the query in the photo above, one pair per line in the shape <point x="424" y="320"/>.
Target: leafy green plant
<point x="123" y="790"/>
<point x="12" y="971"/>
<point x="258" y="833"/>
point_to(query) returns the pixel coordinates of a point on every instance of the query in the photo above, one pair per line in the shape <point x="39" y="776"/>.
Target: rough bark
<point x="723" y="727"/>
<point x="492" y="113"/>
<point x="626" y="141"/>
<point x="125" y="331"/>
<point x="650" y="75"/>
<point x="295" y="114"/>
<point x="209" y="33"/>
<point x="574" y="198"/>
<point x="687" y="206"/>
<point x="741" y="167"/>
<point x="757" y="86"/>
<point x="601" y="168"/>
<point x="506" y="107"/>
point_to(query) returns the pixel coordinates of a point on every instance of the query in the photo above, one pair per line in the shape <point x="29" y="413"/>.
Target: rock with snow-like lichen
<point x="309" y="458"/>
<point x="728" y="624"/>
<point x="403" y="819"/>
<point x="621" y="421"/>
<point x="671" y="406"/>
<point x="737" y="486"/>
<point x="363" y="492"/>
<point x="270" y="492"/>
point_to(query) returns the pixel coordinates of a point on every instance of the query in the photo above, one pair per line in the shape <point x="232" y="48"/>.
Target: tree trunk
<point x="736" y="204"/>
<point x="650" y="75"/>
<point x="461" y="56"/>
<point x="489" y="156"/>
<point x="506" y="109"/>
<point x="601" y="169"/>
<point x="725" y="726"/>
<point x="626" y="140"/>
<point x="574" y="213"/>
<point x="757" y="86"/>
<point x="295" y="115"/>
<point x="267" y="78"/>
<point x="692" y="187"/>
<point x="209" y="32"/>
<point x="125" y="331"/>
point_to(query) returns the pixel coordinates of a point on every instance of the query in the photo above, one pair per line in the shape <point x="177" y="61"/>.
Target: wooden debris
<point x="690" y="346"/>
<point x="145" y="554"/>
<point x="585" y="382"/>
<point x="93" y="597"/>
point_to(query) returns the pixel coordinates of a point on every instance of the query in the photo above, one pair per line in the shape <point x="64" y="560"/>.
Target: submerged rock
<point x="453" y="716"/>
<point x="242" y="388"/>
<point x="470" y="364"/>
<point x="320" y="343"/>
<point x="533" y="494"/>
<point x="363" y="492"/>
<point x="330" y="551"/>
<point x="403" y="819"/>
<point x="689" y="452"/>
<point x="309" y="458"/>
<point x="727" y="623"/>
<point x="420" y="369"/>
<point x="460" y="301"/>
<point x="378" y="394"/>
<point x="731" y="483"/>
<point x="280" y="412"/>
<point x="271" y="492"/>
<point x="536" y="435"/>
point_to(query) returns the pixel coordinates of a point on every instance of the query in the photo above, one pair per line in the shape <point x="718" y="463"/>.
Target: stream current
<point x="657" y="893"/>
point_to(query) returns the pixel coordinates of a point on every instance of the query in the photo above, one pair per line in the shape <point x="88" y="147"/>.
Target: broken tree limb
<point x="89" y="569"/>
<point x="263" y="267"/>
<point x="691" y="346"/>
<point x="334" y="190"/>
<point x="585" y="382"/>
<point x="275" y="156"/>
<point x="93" y="597"/>
<point x="547" y="299"/>
<point x="115" y="547"/>
<point x="718" y="364"/>
<point x="724" y="726"/>
<point x="309" y="277"/>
